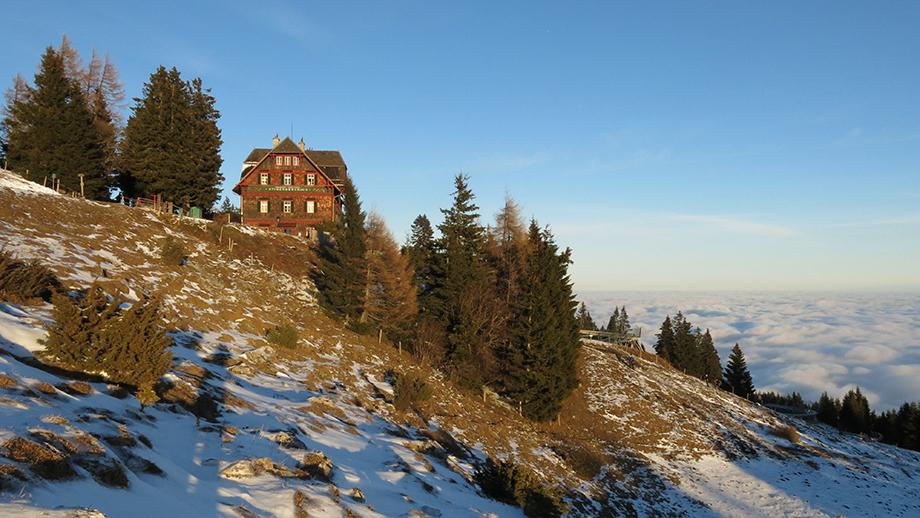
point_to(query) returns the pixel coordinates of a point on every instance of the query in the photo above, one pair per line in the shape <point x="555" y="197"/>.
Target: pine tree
<point x="542" y="356"/>
<point x="855" y="414"/>
<point x="462" y="294"/>
<point x="389" y="301"/>
<point x="736" y="378"/>
<point x="623" y="326"/>
<point x="613" y="324"/>
<point x="104" y="93"/>
<point x="665" y="345"/>
<point x="172" y="143"/>
<point x="50" y="132"/>
<point x="830" y="410"/>
<point x="710" y="362"/>
<point x="342" y="277"/>
<point x="585" y="321"/>
<point x="420" y="248"/>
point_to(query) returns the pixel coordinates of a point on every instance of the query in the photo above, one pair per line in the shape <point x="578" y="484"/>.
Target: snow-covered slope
<point x="311" y="432"/>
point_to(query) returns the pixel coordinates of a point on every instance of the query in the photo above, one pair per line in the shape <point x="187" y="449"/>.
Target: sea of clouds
<point x="803" y="342"/>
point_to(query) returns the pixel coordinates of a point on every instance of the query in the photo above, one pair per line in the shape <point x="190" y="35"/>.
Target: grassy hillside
<point x="643" y="441"/>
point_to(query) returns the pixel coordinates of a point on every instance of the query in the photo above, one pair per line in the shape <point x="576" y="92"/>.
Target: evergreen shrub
<point x="92" y="334"/>
<point x="285" y="336"/>
<point x="519" y="486"/>
<point x="23" y="282"/>
<point x="173" y="252"/>
<point x="410" y="388"/>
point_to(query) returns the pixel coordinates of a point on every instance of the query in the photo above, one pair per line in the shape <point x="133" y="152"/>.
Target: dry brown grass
<point x="75" y="388"/>
<point x="788" y="432"/>
<point x="46" y="388"/>
<point x="7" y="382"/>
<point x="42" y="460"/>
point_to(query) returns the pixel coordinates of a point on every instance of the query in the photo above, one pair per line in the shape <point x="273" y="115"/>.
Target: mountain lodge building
<point x="289" y="188"/>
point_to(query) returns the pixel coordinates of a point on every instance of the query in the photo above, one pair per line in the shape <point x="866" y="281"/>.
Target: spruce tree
<point x="830" y="410"/>
<point x="736" y="378"/>
<point x="420" y="248"/>
<point x="623" y="326"/>
<point x="342" y="276"/>
<point x="172" y="143"/>
<point x="543" y="353"/>
<point x="462" y="294"/>
<point x="585" y="321"/>
<point x="613" y="324"/>
<point x="855" y="415"/>
<point x="665" y="345"/>
<point x="50" y="132"/>
<point x="710" y="362"/>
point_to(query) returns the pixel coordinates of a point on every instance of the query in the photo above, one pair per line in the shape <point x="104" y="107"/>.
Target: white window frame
<point x="287" y="206"/>
<point x="287" y="160"/>
<point x="279" y="160"/>
<point x="288" y="179"/>
<point x="263" y="206"/>
<point x="311" y="179"/>
<point x="264" y="179"/>
<point x="311" y="206"/>
<point x="296" y="161"/>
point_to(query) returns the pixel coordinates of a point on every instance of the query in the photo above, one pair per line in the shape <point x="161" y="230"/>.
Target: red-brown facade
<point x="289" y="188"/>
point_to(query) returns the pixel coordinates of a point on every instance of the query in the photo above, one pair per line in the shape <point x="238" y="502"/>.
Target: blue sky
<point x="671" y="145"/>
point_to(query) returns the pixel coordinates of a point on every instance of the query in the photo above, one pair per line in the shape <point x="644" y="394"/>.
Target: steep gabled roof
<point x="329" y="163"/>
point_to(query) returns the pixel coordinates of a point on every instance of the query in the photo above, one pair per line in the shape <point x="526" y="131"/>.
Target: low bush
<point x="173" y="252"/>
<point x="23" y="282"/>
<point x="93" y="334"/>
<point x="519" y="486"/>
<point x="787" y="432"/>
<point x="410" y="388"/>
<point x="285" y="336"/>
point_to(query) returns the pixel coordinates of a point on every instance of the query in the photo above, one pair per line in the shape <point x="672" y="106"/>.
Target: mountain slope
<point x="300" y="430"/>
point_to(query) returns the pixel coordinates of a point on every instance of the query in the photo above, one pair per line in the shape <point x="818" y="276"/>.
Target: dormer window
<point x="296" y="161"/>
<point x="287" y="160"/>
<point x="279" y="160"/>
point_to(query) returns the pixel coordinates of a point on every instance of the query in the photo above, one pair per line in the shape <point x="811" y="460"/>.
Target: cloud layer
<point x="803" y="342"/>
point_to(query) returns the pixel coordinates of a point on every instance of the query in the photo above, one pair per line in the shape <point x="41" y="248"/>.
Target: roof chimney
<point x="275" y="142"/>
<point x="302" y="145"/>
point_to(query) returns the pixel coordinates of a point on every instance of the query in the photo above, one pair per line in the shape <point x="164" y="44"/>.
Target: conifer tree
<point x="172" y="143"/>
<point x="542" y="356"/>
<point x="710" y="362"/>
<point x="50" y="132"/>
<point x="623" y="322"/>
<point x="75" y="335"/>
<point x="614" y="322"/>
<point x="855" y="415"/>
<point x="342" y="276"/>
<point x="420" y="248"/>
<point x="585" y="321"/>
<point x="136" y="348"/>
<point x="506" y="248"/>
<point x="104" y="93"/>
<point x="462" y="294"/>
<point x="736" y="378"/>
<point x="830" y="410"/>
<point x="665" y="345"/>
<point x="389" y="301"/>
